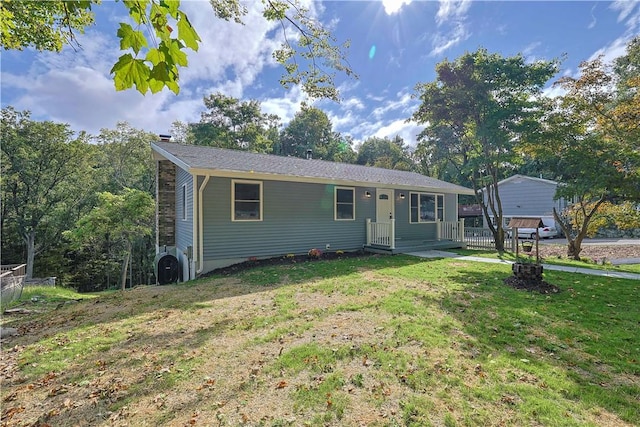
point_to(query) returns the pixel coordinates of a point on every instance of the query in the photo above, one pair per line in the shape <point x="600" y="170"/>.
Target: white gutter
<point x="200" y="221"/>
<point x="194" y="227"/>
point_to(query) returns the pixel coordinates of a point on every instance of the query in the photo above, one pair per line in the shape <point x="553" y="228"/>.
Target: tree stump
<point x="527" y="271"/>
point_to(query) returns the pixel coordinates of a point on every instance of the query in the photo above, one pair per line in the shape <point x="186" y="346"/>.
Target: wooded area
<point x="80" y="206"/>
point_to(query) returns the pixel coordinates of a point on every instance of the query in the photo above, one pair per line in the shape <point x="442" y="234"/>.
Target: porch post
<point x="393" y="234"/>
<point x="368" y="231"/>
<point x="461" y="230"/>
<point x="438" y="229"/>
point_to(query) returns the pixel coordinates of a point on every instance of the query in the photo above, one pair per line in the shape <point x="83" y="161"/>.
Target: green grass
<point x="510" y="256"/>
<point x="380" y="341"/>
<point x="33" y="296"/>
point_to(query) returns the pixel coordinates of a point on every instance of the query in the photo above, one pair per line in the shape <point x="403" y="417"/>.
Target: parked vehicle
<point x="546" y="232"/>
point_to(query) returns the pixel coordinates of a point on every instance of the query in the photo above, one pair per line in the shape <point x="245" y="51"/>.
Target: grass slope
<point x="378" y="341"/>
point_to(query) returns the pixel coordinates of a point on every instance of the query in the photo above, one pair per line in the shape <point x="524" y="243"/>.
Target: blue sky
<point x="410" y="38"/>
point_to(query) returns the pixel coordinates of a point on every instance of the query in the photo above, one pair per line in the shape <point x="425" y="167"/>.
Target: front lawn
<point x="377" y="341"/>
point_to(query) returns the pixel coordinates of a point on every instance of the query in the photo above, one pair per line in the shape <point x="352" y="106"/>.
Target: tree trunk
<point x="573" y="249"/>
<point x="30" y="242"/>
<point x="125" y="264"/>
<point x="574" y="245"/>
<point x="497" y="231"/>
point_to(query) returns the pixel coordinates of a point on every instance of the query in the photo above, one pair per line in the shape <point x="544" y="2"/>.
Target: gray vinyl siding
<point x="184" y="227"/>
<point x="526" y="197"/>
<point x="296" y="218"/>
<point x="450" y="207"/>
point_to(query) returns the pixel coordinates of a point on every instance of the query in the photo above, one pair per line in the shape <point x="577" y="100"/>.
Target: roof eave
<point x="168" y="156"/>
<point x="225" y="173"/>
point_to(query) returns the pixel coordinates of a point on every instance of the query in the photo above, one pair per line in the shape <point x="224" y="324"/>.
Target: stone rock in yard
<point x="8" y="332"/>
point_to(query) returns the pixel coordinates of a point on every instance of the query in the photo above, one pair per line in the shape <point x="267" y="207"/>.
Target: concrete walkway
<point x="550" y="267"/>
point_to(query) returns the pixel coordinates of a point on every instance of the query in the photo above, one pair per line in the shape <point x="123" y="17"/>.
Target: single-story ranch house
<point x="219" y="207"/>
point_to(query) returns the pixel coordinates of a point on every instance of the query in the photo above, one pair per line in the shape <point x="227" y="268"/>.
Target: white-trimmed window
<point x="246" y="200"/>
<point x="345" y="208"/>
<point x="184" y="202"/>
<point x="426" y="207"/>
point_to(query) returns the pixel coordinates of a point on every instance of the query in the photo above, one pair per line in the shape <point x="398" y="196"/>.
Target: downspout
<point x="194" y="227"/>
<point x="200" y="221"/>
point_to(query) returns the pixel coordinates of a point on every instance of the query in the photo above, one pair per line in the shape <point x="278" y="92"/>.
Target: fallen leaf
<point x="9" y="413"/>
<point x="281" y="384"/>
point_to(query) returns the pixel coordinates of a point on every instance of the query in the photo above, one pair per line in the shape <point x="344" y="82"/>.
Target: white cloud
<point x="385" y="120"/>
<point x="443" y="41"/>
<point x="285" y="107"/>
<point x="612" y="51"/>
<point x="451" y="14"/>
<point x="228" y="48"/>
<point x="528" y="52"/>
<point x="452" y="9"/>
<point x="77" y="88"/>
<point x="626" y="11"/>
<point x="406" y="130"/>
<point x="394" y="6"/>
<point x="594" y="21"/>
<point x="403" y="103"/>
<point x="553" y="91"/>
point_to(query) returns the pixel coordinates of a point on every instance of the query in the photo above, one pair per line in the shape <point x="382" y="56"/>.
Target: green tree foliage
<point x="623" y="125"/>
<point x="156" y="40"/>
<point x="311" y="132"/>
<point x="45" y="173"/>
<point x="475" y="112"/>
<point x="622" y="216"/>
<point x="125" y="159"/>
<point x="385" y="153"/>
<point x="44" y="25"/>
<point x="235" y="124"/>
<point x="181" y="132"/>
<point x="123" y="219"/>
<point x="590" y="141"/>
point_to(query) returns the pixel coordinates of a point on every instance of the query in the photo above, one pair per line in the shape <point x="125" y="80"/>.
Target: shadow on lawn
<point x="588" y="333"/>
<point x="158" y="359"/>
<point x="250" y="278"/>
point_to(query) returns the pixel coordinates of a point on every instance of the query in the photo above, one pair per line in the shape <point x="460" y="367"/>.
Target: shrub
<point x="315" y="253"/>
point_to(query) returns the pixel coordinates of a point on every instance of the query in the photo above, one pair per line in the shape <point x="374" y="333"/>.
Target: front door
<point x="384" y="205"/>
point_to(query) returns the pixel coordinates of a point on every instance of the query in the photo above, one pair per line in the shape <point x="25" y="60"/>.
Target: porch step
<point x="407" y="246"/>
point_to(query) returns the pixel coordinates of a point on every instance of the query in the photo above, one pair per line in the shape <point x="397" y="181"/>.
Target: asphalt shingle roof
<point x="199" y="158"/>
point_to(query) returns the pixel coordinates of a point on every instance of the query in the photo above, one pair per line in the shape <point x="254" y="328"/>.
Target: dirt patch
<point x="284" y="260"/>
<point x="590" y="253"/>
<point x="532" y="285"/>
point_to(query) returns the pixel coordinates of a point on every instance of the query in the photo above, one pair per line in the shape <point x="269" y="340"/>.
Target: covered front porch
<point x="381" y="238"/>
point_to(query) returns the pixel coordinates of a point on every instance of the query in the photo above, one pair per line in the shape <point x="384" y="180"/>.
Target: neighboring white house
<point x="525" y="196"/>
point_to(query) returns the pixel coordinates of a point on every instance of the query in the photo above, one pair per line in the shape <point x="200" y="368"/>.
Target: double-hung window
<point x="345" y="203"/>
<point x="425" y="207"/>
<point x="246" y="203"/>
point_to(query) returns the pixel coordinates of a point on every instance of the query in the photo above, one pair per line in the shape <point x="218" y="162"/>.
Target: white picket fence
<point x="482" y="238"/>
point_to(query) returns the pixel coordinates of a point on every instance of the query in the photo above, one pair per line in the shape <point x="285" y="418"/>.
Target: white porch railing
<point x="451" y="230"/>
<point x="381" y="233"/>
